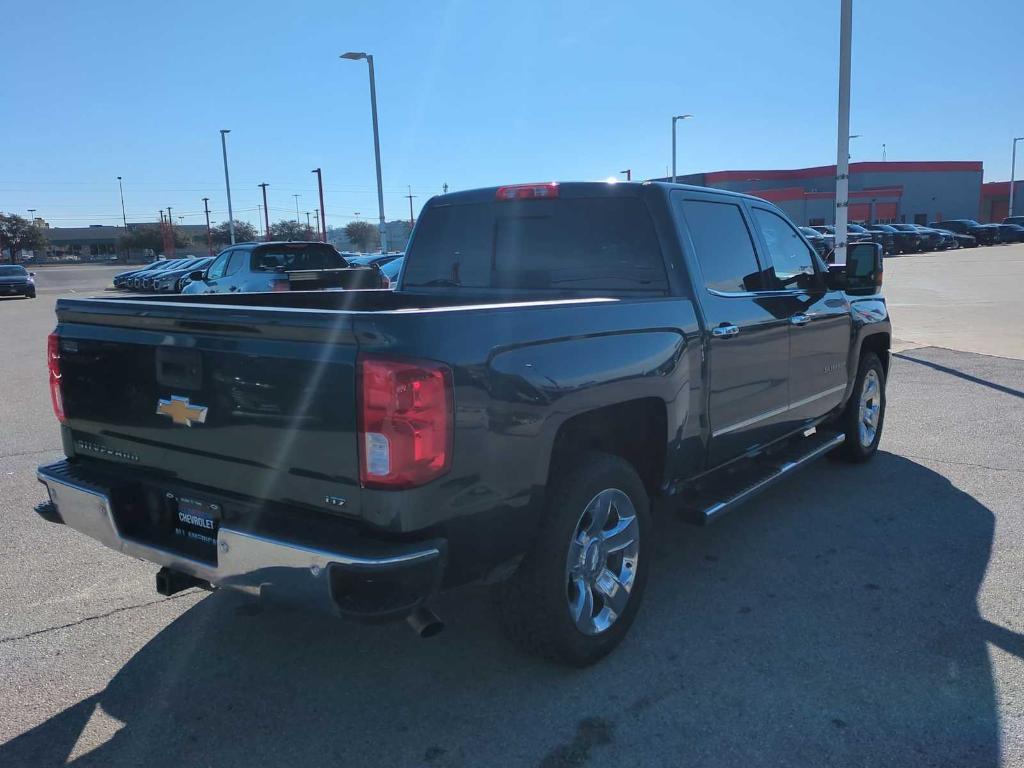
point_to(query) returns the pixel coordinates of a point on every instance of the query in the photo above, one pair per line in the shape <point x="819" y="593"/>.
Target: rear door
<point x="818" y="319"/>
<point x="747" y="341"/>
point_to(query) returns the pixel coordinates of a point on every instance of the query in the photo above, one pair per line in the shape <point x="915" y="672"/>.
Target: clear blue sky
<point x="476" y="93"/>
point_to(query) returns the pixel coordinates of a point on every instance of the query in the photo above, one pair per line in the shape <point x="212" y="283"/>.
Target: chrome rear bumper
<point x="251" y="563"/>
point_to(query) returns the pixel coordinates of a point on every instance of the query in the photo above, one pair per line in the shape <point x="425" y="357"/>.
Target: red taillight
<point x="405" y="422"/>
<point x="279" y="285"/>
<point x="528" y="191"/>
<point x="53" y="364"/>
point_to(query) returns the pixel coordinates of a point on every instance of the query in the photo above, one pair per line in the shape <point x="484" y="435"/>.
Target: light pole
<point x="843" y="130"/>
<point x="355" y="56"/>
<point x="309" y="227"/>
<point x="209" y="235"/>
<point x="297" y="196"/>
<point x="227" y="182"/>
<point x="1013" y="171"/>
<point x="412" y="219"/>
<point x="316" y="218"/>
<point x="629" y="174"/>
<point x="322" y="221"/>
<point x="852" y="137"/>
<point x="124" y="218"/>
<point x="883" y="153"/>
<point x="675" y="119"/>
<point x="31" y="214"/>
<point x="266" y="213"/>
<point x="171" y="248"/>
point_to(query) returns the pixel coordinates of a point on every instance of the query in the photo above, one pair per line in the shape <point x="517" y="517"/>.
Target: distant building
<point x="100" y="240"/>
<point x="995" y="200"/>
<point x="902" y="192"/>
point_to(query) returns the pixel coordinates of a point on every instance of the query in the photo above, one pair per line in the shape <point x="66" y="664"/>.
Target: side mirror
<point x="199" y="274"/>
<point x="862" y="272"/>
<point x="31" y="274"/>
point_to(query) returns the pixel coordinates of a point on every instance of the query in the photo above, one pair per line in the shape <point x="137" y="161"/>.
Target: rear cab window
<point x="286" y="257"/>
<point x="563" y="244"/>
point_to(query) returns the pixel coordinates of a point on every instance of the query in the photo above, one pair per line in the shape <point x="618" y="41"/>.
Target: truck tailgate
<point x="255" y="402"/>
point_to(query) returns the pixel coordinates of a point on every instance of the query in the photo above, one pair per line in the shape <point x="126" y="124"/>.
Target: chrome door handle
<point x="800" y="319"/>
<point x="725" y="330"/>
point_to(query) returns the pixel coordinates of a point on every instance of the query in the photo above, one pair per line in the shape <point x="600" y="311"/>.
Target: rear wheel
<point x="864" y="415"/>
<point x="576" y="593"/>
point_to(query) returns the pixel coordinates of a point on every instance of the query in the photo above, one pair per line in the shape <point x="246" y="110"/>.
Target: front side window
<point x="723" y="246"/>
<point x="792" y="261"/>
<point x="216" y="270"/>
<point x="237" y="260"/>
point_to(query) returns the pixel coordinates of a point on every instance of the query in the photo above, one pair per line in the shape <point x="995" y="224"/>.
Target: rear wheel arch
<point x="634" y="430"/>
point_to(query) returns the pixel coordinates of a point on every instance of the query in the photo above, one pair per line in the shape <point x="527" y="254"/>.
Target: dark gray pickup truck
<point x="556" y="358"/>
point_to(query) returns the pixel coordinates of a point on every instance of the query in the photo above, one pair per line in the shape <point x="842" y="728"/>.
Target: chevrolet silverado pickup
<point x="556" y="359"/>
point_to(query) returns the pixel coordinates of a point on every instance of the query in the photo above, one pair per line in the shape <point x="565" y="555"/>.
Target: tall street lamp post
<point x="1013" y="171"/>
<point x="297" y="196"/>
<point x="124" y="217"/>
<point x="266" y="214"/>
<point x="322" y="221"/>
<point x="227" y="182"/>
<point x="355" y="56"/>
<point x="843" y="130"/>
<point x="676" y="119"/>
<point x="209" y="235"/>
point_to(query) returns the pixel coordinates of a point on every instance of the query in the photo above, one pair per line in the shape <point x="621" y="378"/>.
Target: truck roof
<point x="571" y="189"/>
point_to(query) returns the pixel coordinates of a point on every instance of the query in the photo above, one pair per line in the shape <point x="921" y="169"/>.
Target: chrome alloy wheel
<point x="870" y="408"/>
<point x="602" y="561"/>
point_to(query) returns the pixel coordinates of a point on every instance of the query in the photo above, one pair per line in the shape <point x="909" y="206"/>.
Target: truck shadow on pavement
<point x="830" y="622"/>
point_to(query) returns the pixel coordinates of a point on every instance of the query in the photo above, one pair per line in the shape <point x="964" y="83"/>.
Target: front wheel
<point x="576" y="593"/>
<point x="864" y="415"/>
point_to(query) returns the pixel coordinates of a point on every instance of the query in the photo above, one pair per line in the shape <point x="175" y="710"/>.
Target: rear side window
<point x="284" y="258"/>
<point x="723" y="246"/>
<point x="603" y="244"/>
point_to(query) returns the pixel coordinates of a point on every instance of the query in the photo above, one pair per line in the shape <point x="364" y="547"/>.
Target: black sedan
<point x="901" y="242"/>
<point x="884" y="237"/>
<point x="926" y="241"/>
<point x="1010" y="233"/>
<point x="936" y="238"/>
<point x="962" y="241"/>
<point x="985" y="234"/>
<point x="15" y="280"/>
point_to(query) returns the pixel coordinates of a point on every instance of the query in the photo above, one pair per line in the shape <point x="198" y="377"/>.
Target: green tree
<point x="285" y="229"/>
<point x="244" y="233"/>
<point x="18" y="233"/>
<point x="363" y="235"/>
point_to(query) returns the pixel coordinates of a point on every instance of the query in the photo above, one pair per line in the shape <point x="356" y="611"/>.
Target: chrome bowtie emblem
<point x="181" y="411"/>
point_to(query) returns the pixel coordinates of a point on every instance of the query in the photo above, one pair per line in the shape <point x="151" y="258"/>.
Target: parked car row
<point x="162" y="276"/>
<point x="917" y="238"/>
<point x="256" y="268"/>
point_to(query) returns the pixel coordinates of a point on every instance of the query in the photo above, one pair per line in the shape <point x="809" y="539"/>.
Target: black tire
<point x="855" y="449"/>
<point x="533" y="605"/>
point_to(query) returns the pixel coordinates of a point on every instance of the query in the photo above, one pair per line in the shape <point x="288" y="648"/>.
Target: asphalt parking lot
<point x="860" y="616"/>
